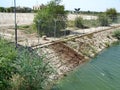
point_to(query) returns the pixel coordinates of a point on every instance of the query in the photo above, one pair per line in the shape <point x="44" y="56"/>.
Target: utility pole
<point x="55" y="20"/>
<point x="38" y="30"/>
<point x="15" y="24"/>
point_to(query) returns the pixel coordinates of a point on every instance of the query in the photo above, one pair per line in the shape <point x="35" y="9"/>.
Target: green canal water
<point x="100" y="73"/>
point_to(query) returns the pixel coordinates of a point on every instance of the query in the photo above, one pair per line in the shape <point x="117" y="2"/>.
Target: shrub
<point x="22" y="68"/>
<point x="112" y="14"/>
<point x="46" y="18"/>
<point x="91" y="23"/>
<point x="70" y="23"/>
<point x="34" y="71"/>
<point x="117" y="34"/>
<point x="7" y="57"/>
<point x="103" y="20"/>
<point x="2" y="9"/>
<point x="79" y="22"/>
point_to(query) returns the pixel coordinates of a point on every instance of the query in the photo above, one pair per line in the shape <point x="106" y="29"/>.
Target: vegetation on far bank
<point x="50" y="18"/>
<point x="103" y="19"/>
<point x="18" y="9"/>
<point x="53" y="18"/>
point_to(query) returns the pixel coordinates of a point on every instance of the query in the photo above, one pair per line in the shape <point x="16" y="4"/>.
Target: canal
<point x="100" y="73"/>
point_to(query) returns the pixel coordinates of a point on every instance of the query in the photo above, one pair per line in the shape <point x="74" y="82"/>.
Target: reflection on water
<point x="101" y="73"/>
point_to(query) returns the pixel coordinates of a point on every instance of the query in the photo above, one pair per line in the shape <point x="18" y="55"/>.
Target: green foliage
<point x="18" y="9"/>
<point x="70" y="23"/>
<point x="23" y="27"/>
<point x="7" y="57"/>
<point x="51" y="13"/>
<point x="84" y="23"/>
<point x="2" y="9"/>
<point x="22" y="69"/>
<point x="9" y="10"/>
<point x="112" y="13"/>
<point x="79" y="22"/>
<point x="34" y="71"/>
<point x="103" y="20"/>
<point x="91" y="23"/>
<point x="90" y="12"/>
<point x="117" y="34"/>
<point x="22" y="9"/>
<point x="28" y="29"/>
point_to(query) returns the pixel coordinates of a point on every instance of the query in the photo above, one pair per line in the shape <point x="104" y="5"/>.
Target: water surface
<point x="101" y="73"/>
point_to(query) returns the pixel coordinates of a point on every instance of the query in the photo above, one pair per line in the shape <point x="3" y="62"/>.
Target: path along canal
<point x="100" y="73"/>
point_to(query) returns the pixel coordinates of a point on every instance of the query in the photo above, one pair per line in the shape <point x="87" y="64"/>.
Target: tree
<point x="112" y="13"/>
<point x="9" y="9"/>
<point x="47" y="17"/>
<point x="2" y="9"/>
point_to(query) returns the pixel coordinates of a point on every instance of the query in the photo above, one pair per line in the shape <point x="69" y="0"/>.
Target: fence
<point x="57" y="28"/>
<point x="62" y="28"/>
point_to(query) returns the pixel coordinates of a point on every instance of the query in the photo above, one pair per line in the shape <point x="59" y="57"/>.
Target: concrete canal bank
<point x="65" y="55"/>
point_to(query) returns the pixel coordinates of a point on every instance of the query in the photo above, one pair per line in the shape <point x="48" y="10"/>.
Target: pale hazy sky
<point x="92" y="5"/>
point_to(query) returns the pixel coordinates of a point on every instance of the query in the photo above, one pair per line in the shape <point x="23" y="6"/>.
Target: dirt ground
<point x="7" y="21"/>
<point x="23" y="38"/>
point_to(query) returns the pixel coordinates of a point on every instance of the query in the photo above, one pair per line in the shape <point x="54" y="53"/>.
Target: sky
<point x="85" y="5"/>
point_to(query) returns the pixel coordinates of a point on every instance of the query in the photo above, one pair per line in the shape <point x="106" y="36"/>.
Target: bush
<point x="22" y="68"/>
<point x="33" y="70"/>
<point x="91" y="23"/>
<point x="46" y="18"/>
<point x="103" y="20"/>
<point x="112" y="14"/>
<point x="2" y="9"/>
<point x="117" y="34"/>
<point x="70" y="23"/>
<point x="79" y="22"/>
<point x="7" y="57"/>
